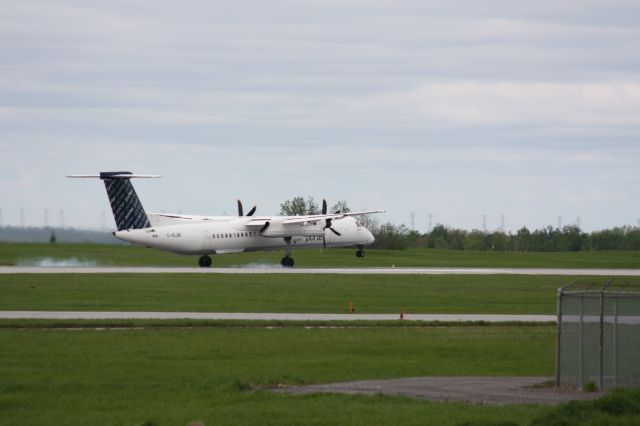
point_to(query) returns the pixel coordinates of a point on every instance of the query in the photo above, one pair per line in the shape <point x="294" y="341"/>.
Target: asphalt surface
<point x="475" y="390"/>
<point x="276" y="269"/>
<point x="268" y="316"/>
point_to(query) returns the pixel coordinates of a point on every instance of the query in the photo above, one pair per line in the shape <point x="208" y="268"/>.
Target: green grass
<point x="480" y="294"/>
<point x="620" y="407"/>
<point x="101" y="254"/>
<point x="175" y="376"/>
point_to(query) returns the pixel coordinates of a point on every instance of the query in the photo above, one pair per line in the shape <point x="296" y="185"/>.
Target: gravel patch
<point x="474" y="390"/>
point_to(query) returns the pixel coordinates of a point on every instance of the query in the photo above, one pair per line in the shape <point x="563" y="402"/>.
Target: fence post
<point x="558" y="333"/>
<point x="600" y="366"/>
<point x="559" y="310"/>
<point x="580" y="355"/>
<point x="615" y="341"/>
<point x="601" y="360"/>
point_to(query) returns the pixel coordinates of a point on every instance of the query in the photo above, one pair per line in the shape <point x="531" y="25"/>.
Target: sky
<point x="522" y="112"/>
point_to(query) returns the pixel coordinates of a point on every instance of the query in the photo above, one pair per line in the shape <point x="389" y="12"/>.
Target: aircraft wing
<point x="362" y="213"/>
<point x="320" y="217"/>
<point x="308" y="219"/>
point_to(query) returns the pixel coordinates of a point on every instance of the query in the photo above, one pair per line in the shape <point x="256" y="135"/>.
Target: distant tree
<point x="340" y="206"/>
<point x="52" y="238"/>
<point x="498" y="241"/>
<point x="571" y="238"/>
<point x="456" y="238"/>
<point x="475" y="241"/>
<point x="632" y="238"/>
<point x="544" y="239"/>
<point x="608" y="239"/>
<point x="369" y="222"/>
<point x="297" y="206"/>
<point x="414" y="239"/>
<point x="438" y="237"/>
<point x="312" y="206"/>
<point x="390" y="236"/>
<point x="522" y="240"/>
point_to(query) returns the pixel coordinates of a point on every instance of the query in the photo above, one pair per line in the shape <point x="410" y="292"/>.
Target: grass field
<point x="484" y="294"/>
<point x="101" y="254"/>
<point x="175" y="376"/>
<point x="172" y="373"/>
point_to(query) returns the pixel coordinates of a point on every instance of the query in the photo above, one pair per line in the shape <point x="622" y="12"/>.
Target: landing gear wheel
<point x="204" y="261"/>
<point x="360" y="253"/>
<point x="287" y="262"/>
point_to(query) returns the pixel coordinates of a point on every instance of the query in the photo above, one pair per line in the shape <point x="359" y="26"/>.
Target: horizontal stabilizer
<point x="127" y="209"/>
<point x="114" y="175"/>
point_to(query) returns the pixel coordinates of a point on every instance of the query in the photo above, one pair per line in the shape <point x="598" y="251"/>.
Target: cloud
<point x="411" y="106"/>
<point x="506" y="104"/>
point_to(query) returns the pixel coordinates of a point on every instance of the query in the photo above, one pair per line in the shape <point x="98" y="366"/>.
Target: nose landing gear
<point x="360" y="252"/>
<point x="204" y="261"/>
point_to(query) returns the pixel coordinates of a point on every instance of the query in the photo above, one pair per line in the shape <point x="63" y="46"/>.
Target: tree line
<point x="549" y="239"/>
<point x="15" y="234"/>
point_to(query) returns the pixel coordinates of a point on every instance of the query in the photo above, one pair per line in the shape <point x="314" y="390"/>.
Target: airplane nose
<point x="370" y="237"/>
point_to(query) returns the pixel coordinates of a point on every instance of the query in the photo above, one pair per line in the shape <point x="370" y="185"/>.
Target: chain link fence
<point x="598" y="336"/>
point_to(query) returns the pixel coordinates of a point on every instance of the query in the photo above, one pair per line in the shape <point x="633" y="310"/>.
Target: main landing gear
<point x="287" y="260"/>
<point x="360" y="252"/>
<point x="204" y="261"/>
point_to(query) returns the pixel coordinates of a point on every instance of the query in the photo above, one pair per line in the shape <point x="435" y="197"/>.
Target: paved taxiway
<point x="279" y="270"/>
<point x="477" y="390"/>
<point x="269" y="316"/>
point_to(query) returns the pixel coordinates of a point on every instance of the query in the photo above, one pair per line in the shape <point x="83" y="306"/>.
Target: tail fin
<point x="127" y="209"/>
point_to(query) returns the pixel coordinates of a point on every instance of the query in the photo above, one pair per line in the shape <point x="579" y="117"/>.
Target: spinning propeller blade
<point x="327" y="223"/>
<point x="240" y="209"/>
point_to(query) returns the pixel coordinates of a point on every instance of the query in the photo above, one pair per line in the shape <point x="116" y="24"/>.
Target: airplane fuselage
<point x="226" y="235"/>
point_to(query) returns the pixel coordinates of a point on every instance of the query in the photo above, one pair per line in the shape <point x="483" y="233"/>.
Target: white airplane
<point x="206" y="235"/>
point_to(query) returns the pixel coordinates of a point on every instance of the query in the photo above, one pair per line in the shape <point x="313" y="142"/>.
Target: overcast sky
<point x="460" y="109"/>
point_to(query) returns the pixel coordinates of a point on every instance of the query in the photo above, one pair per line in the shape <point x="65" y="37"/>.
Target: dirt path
<point x="475" y="390"/>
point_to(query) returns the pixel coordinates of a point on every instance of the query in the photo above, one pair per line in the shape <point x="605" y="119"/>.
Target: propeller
<point x="264" y="227"/>
<point x="327" y="223"/>
<point x="241" y="211"/>
<point x="328" y="226"/>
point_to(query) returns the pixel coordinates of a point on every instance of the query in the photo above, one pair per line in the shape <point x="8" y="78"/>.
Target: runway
<point x="276" y="269"/>
<point x="270" y="316"/>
